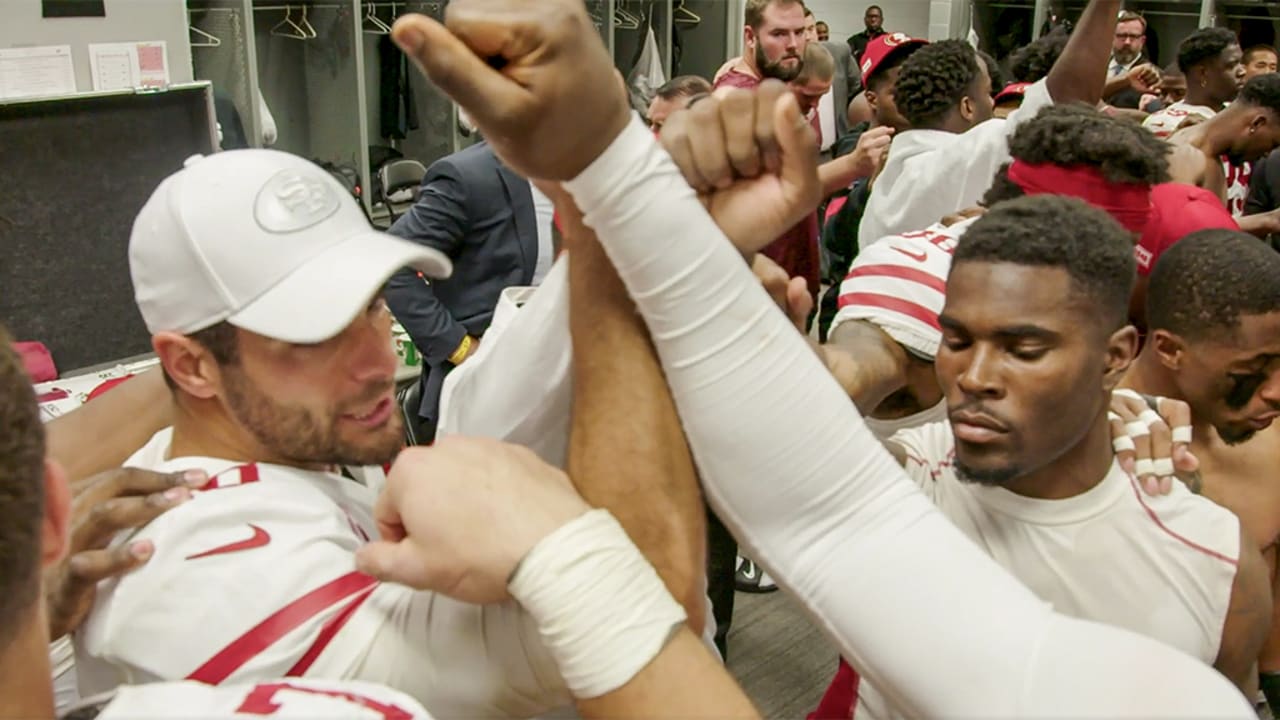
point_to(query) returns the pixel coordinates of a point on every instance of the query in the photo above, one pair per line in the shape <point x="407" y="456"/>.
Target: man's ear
<point x="1170" y="348"/>
<point x="1122" y="348"/>
<point x="748" y="38"/>
<point x="1259" y="121"/>
<point x="968" y="109"/>
<point x="56" y="526"/>
<point x="873" y="100"/>
<point x="188" y="363"/>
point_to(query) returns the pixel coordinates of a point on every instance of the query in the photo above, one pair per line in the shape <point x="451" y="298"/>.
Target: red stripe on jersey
<point x="841" y="697"/>
<point x="281" y="623"/>
<point x="898" y="305"/>
<point x="327" y="632"/>
<point x="1189" y="543"/>
<point x="245" y="474"/>
<point x="915" y="275"/>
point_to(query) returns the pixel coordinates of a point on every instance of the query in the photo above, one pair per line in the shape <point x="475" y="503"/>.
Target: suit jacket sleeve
<point x="438" y="220"/>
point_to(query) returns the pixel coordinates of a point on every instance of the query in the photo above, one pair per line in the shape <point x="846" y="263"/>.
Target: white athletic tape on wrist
<point x="1124" y="443"/>
<point x="1162" y="467"/>
<point x="1131" y="394"/>
<point x="1150" y="417"/>
<point x="601" y="608"/>
<point x="1144" y="467"/>
<point x="1137" y="429"/>
<point x="1181" y="434"/>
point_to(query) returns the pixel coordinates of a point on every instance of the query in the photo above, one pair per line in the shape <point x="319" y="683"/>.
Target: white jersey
<point x="1238" y="177"/>
<point x="255" y="578"/>
<point x="287" y="698"/>
<point x="899" y="284"/>
<point x="1164" y="123"/>
<point x="1159" y="566"/>
<point x="933" y="173"/>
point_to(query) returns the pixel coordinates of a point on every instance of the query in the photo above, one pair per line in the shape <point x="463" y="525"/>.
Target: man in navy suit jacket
<point x="482" y="215"/>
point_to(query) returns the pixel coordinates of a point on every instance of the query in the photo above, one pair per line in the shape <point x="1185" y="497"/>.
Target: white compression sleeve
<point x="789" y="465"/>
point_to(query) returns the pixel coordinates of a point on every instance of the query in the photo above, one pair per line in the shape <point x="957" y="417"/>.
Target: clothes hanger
<point x="200" y="38"/>
<point x="288" y="28"/>
<point x="623" y="19"/>
<point x="374" y="25"/>
<point x="306" y="26"/>
<point x="684" y="16"/>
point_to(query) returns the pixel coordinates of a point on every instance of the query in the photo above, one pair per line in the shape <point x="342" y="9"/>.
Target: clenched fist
<point x="532" y="74"/>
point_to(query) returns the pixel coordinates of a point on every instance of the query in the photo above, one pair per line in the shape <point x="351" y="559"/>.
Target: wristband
<point x="600" y="607"/>
<point x="460" y="354"/>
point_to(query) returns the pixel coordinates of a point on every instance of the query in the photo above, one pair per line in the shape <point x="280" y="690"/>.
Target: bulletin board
<point x="75" y="170"/>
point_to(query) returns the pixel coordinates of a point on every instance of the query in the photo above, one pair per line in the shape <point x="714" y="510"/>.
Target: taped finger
<point x="1150" y="417"/>
<point x="1144" y="466"/>
<point x="1181" y="434"/>
<point x="1162" y="467"/>
<point x="1137" y="429"/>
<point x="1123" y="444"/>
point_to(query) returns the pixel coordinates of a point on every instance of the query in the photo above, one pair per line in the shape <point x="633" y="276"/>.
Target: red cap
<point x="1177" y="211"/>
<point x="883" y="46"/>
<point x="1012" y="91"/>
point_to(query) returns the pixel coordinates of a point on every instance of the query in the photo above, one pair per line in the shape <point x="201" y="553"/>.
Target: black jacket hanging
<point x="397" y="113"/>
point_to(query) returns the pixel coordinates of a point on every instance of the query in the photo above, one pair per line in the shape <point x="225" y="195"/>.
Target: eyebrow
<point x="1011" y="332"/>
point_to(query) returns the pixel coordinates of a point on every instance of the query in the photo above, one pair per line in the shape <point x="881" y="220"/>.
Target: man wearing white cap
<point x="260" y="283"/>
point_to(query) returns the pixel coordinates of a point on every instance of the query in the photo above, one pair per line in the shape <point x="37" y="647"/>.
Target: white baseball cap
<point x="268" y="242"/>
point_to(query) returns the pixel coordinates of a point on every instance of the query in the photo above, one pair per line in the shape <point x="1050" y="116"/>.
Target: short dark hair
<point x="1255" y="49"/>
<point x="1076" y="134"/>
<point x="872" y="7"/>
<point x="753" y="17"/>
<point x="1033" y="62"/>
<point x="934" y="80"/>
<point x="221" y="340"/>
<point x="22" y="449"/>
<point x="1262" y="91"/>
<point x="995" y="72"/>
<point x="1203" y="45"/>
<point x="1059" y="232"/>
<point x="683" y="86"/>
<point x="1205" y="282"/>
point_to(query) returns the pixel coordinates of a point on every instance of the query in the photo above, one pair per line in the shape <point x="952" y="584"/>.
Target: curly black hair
<point x="1203" y="284"/>
<point x="1077" y="134"/>
<point x="1203" y="45"/>
<point x="1262" y="91"/>
<point x="1059" y="232"/>
<point x="1031" y="63"/>
<point x="934" y="80"/>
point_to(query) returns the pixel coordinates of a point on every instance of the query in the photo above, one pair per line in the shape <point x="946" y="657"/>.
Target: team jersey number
<point x="268" y="699"/>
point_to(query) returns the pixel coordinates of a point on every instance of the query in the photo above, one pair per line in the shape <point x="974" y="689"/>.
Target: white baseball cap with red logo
<point x="266" y="241"/>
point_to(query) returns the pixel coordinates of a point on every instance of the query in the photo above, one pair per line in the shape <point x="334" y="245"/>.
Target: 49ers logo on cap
<point x="293" y="200"/>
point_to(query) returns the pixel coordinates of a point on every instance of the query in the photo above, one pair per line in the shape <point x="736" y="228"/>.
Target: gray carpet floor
<point x="778" y="656"/>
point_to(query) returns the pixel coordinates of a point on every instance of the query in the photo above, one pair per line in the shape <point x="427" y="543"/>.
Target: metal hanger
<point x="684" y="16"/>
<point x="288" y="28"/>
<point x="200" y="38"/>
<point x="374" y="25"/>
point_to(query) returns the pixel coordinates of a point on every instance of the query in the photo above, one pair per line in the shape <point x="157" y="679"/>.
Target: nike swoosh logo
<point x="260" y="539"/>
<point x="917" y="256"/>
